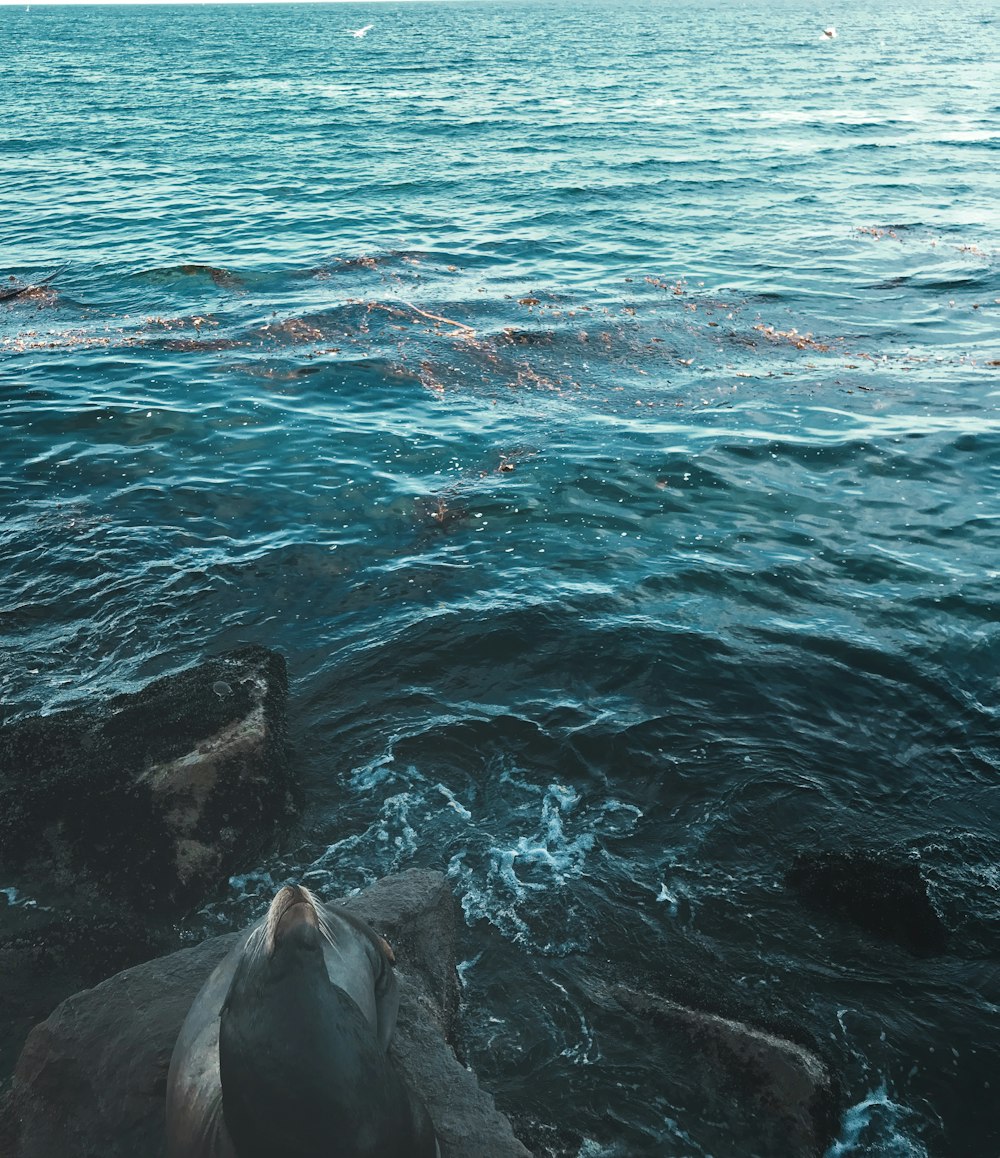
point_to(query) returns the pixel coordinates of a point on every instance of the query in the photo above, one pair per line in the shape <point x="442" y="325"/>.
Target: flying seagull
<point x="359" y="32"/>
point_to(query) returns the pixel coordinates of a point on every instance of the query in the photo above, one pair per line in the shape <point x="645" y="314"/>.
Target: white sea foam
<point x="252" y="884"/>
<point x="15" y="898"/>
<point x="385" y="846"/>
<point x="550" y="849"/>
<point x="875" y="1126"/>
<point x="591" y="1149"/>
<point x="523" y="882"/>
<point x="376" y="772"/>
<point x="464" y="967"/>
<point x="671" y="898"/>
<point x="585" y="1051"/>
<point x="453" y="802"/>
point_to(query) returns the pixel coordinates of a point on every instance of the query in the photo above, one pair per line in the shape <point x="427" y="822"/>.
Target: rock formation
<point x="151" y="797"/>
<point x="880" y="891"/>
<point x="757" y="1093"/>
<point x="91" y="1079"/>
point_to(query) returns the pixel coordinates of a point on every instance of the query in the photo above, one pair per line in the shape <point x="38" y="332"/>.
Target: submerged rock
<point x="882" y="892"/>
<point x="756" y="1093"/>
<point x="91" y="1079"/>
<point x="156" y="796"/>
<point x="776" y="1096"/>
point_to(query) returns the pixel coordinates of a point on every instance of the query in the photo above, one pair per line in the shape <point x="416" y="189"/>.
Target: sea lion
<point x="284" y="1053"/>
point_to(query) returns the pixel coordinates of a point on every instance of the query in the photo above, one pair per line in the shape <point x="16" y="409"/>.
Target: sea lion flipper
<point x="387" y="1007"/>
<point x="195" y="1124"/>
<point x="385" y="987"/>
<point x="202" y="1133"/>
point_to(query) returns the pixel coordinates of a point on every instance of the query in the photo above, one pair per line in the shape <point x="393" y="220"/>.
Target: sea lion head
<point x="283" y="961"/>
<point x="294" y="920"/>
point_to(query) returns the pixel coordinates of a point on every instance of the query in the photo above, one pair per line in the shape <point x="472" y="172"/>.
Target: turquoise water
<point x="599" y="406"/>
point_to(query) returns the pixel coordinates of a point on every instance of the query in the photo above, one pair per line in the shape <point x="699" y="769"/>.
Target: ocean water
<point x="599" y="406"/>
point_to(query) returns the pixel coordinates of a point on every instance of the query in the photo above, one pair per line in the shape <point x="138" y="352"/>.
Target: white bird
<point x="830" y="33"/>
<point x="359" y="32"/>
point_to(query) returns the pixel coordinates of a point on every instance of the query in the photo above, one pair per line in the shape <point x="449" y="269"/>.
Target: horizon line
<point x="29" y="4"/>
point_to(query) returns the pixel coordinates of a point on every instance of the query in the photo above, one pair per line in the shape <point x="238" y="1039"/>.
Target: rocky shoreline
<point x="151" y="798"/>
<point x="91" y="1078"/>
<point x="119" y="815"/>
<point x="127" y="812"/>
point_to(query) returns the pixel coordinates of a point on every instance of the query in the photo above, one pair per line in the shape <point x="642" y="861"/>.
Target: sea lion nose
<point x="289" y="895"/>
<point x="292" y="907"/>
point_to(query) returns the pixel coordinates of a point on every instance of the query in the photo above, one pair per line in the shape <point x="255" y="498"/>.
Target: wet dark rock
<point x="91" y="1079"/>
<point x="151" y="797"/>
<point x="545" y="1140"/>
<point x="223" y="278"/>
<point x="49" y="955"/>
<point x="882" y="892"/>
<point x="759" y="1094"/>
<point x="91" y="941"/>
<point x="746" y="1092"/>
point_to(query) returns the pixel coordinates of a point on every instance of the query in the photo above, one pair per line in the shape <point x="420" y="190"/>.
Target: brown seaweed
<point x="18" y="291"/>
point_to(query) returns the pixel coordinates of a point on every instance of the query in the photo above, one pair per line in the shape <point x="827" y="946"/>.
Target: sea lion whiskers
<point x="324" y="926"/>
<point x="255" y="942"/>
<point x="322" y="917"/>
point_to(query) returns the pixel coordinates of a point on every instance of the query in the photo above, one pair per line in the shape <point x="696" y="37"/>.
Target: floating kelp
<point x="19" y="290"/>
